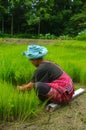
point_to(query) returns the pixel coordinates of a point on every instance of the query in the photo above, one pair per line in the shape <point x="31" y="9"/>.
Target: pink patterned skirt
<point x="62" y="89"/>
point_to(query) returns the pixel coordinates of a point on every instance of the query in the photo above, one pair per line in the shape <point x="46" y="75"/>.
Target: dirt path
<point x="70" y="117"/>
<point x="28" y="41"/>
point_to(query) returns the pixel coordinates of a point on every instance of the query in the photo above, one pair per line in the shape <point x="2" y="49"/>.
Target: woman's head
<point x="36" y="62"/>
<point x="35" y="52"/>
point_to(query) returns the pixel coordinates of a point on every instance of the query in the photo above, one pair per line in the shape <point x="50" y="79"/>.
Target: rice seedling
<point x="16" y="105"/>
<point x="15" y="69"/>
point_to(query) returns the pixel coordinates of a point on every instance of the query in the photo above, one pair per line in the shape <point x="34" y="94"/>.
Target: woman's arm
<point x="26" y="87"/>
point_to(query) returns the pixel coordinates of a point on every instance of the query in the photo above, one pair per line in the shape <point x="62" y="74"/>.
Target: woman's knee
<point x="42" y="88"/>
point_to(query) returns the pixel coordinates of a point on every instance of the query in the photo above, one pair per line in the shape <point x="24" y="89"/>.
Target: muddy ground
<point x="28" y="41"/>
<point x="69" y="117"/>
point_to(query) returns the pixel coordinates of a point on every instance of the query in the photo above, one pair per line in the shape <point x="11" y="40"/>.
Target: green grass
<point x="17" y="105"/>
<point x="15" y="69"/>
<point x="71" y="56"/>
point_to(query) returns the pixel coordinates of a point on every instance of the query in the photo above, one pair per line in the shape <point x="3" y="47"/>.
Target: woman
<point x="49" y="80"/>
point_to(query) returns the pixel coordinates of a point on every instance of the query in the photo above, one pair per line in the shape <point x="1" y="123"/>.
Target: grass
<point x="16" y="105"/>
<point x="71" y="56"/>
<point x="15" y="69"/>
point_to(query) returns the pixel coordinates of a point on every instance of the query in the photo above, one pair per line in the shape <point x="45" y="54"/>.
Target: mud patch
<point x="27" y="41"/>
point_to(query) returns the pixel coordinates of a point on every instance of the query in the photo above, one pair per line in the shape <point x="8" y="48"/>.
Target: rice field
<point x="15" y="70"/>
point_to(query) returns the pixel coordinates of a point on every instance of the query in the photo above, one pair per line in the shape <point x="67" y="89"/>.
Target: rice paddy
<point x="15" y="70"/>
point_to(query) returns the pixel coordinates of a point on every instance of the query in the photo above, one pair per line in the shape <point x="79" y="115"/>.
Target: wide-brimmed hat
<point x="35" y="52"/>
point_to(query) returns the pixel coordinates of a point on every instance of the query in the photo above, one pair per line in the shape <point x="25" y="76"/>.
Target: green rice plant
<point x="71" y="56"/>
<point x="83" y="76"/>
<point x="72" y="70"/>
<point x="14" y="67"/>
<point x="15" y="70"/>
<point x="1" y="40"/>
<point x="7" y="72"/>
<point x="17" y="105"/>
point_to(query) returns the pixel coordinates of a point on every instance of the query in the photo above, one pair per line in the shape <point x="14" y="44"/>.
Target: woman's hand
<point x="25" y="87"/>
<point x="20" y="88"/>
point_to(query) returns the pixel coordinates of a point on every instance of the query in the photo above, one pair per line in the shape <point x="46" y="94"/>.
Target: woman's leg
<point x="42" y="89"/>
<point x="45" y="92"/>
